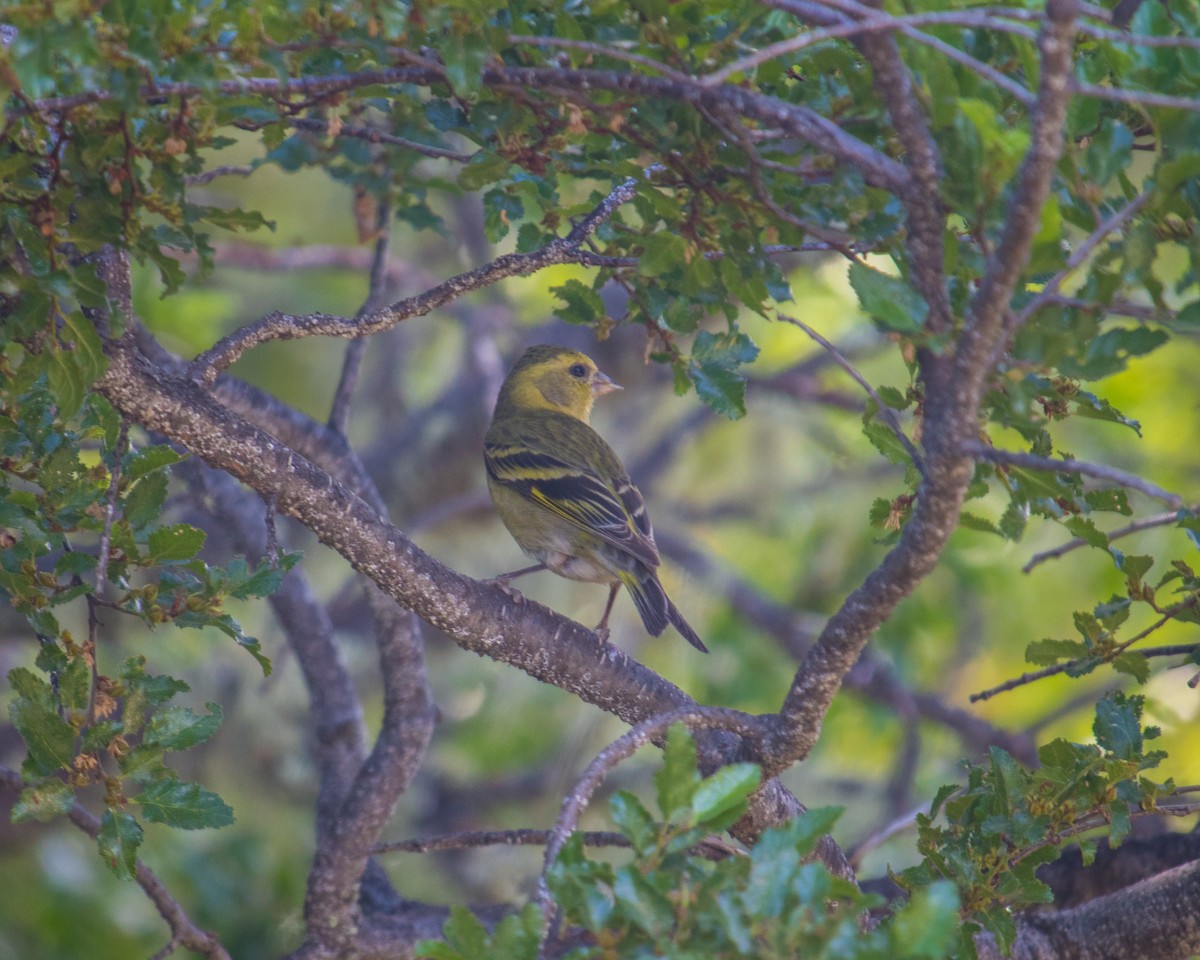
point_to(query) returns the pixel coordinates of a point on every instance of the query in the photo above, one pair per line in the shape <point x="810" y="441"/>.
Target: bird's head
<point x="555" y="378"/>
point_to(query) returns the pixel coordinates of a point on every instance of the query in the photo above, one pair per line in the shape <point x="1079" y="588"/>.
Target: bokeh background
<point x="764" y="528"/>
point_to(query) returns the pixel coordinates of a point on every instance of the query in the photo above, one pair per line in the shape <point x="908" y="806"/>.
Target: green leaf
<point x="1109" y="151"/>
<point x="634" y="820"/>
<point x="677" y="781"/>
<point x="177" y="728"/>
<point x="75" y="684"/>
<point x="465" y="933"/>
<point x="582" y="887"/>
<point x="143" y="504"/>
<point x="264" y="580"/>
<point x="176" y="543"/>
<point x="640" y="903"/>
<point x="972" y="521"/>
<point x="713" y="369"/>
<point x="662" y="253"/>
<point x="928" y="925"/>
<point x="1134" y="664"/>
<point x="43" y="801"/>
<point x="582" y="304"/>
<point x="67" y="380"/>
<point x="1135" y="565"/>
<point x="1085" y="530"/>
<point x="1110" y="352"/>
<point x="464" y="53"/>
<point x="723" y="390"/>
<point x="187" y="806"/>
<point x="147" y="460"/>
<point x="725" y="790"/>
<point x="1118" y="725"/>
<point x="1013" y="521"/>
<point x="118" y="841"/>
<point x="884" y="440"/>
<point x="1047" y="652"/>
<point x="1113" y="613"/>
<point x="49" y="739"/>
<point x="889" y="301"/>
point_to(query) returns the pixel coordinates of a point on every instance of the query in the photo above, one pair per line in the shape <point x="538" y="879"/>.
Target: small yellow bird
<point x="563" y="493"/>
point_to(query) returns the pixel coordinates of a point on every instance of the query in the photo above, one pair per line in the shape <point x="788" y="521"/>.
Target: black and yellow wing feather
<point x="571" y="481"/>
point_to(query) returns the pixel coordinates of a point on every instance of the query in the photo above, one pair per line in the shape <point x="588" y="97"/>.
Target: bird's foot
<point x="504" y="586"/>
<point x="602" y="631"/>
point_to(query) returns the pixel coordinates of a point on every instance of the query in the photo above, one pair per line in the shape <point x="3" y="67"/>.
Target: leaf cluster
<point x="990" y="835"/>
<point x="68" y="485"/>
<point x="772" y="901"/>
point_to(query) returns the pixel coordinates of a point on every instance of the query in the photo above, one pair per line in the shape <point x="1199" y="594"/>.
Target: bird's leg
<point x="505" y="579"/>
<point x="602" y="627"/>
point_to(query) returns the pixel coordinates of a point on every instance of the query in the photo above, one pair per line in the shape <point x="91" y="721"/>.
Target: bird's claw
<point x="602" y="633"/>
<point x="506" y="588"/>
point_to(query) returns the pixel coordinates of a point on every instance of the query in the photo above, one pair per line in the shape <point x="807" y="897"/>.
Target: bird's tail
<point x="656" y="609"/>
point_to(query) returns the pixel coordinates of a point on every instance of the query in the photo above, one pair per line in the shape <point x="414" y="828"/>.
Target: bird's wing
<point x="616" y="513"/>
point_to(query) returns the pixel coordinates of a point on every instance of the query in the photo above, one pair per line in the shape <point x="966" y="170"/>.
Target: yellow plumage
<point x="562" y="491"/>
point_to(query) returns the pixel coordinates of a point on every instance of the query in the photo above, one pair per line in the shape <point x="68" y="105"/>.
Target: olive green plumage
<point x="562" y="491"/>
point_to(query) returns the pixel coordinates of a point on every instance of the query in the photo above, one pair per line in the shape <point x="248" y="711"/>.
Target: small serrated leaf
<point x="634" y="820"/>
<point x="178" y="728"/>
<point x="888" y="300"/>
<point x="581" y="304"/>
<point x="176" y="543"/>
<point x="677" y="781"/>
<point x="118" y="841"/>
<point x="1046" y="652"/>
<point x="187" y="806"/>
<point x="43" y="801"/>
<point x="1117" y="726"/>
<point x="49" y="739"/>
<point x="1133" y="664"/>
<point x="724" y="790"/>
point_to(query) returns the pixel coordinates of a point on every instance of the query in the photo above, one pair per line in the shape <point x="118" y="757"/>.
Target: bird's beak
<point x="602" y="383"/>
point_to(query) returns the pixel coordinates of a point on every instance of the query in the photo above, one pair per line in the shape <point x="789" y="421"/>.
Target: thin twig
<point x="199" y="179"/>
<point x="281" y="326"/>
<point x="875" y="22"/>
<point x="1146" y="523"/>
<point x="1120" y="308"/>
<point x="1110" y="225"/>
<point x="183" y="931"/>
<point x="376" y="294"/>
<point x="980" y="451"/>
<point x="110" y="507"/>
<point x="600" y="50"/>
<point x="885" y="412"/>
<point x="906" y="821"/>
<point x="271" y="550"/>
<point x="371" y="135"/>
<point x="620" y="749"/>
<point x="1149" y="653"/>
<point x="1137" y="39"/>
<point x="1136" y="98"/>
<point x="491" y="838"/>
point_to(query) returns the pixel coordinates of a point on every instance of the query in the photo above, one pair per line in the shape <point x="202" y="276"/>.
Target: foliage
<point x="773" y="901"/>
<point x="116" y="116"/>
<point x="1008" y="819"/>
<point x="69" y="483"/>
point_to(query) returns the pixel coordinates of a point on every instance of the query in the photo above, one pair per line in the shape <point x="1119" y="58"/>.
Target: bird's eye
<point x="578" y="370"/>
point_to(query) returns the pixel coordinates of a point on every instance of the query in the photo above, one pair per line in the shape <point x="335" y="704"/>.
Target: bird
<point x="562" y="492"/>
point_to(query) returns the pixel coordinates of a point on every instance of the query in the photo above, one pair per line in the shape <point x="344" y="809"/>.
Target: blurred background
<point x="763" y="526"/>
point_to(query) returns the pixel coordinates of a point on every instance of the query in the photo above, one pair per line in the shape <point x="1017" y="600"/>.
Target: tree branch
<point x="184" y="932"/>
<point x="281" y="326"/>
<point x="477" y="616"/>
<point x="951" y="407"/>
<point x="982" y="451"/>
<point x="653" y="729"/>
